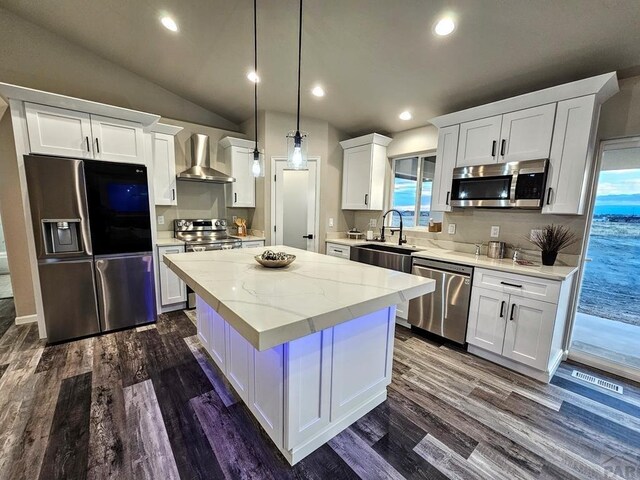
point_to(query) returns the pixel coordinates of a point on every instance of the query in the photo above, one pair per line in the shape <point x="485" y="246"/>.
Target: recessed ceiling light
<point x="253" y="76"/>
<point x="169" y="23"/>
<point x="406" y="115"/>
<point x="318" y="91"/>
<point x="445" y="26"/>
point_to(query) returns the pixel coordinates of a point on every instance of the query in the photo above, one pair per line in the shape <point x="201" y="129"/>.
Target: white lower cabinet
<point x="337" y="250"/>
<point x="529" y="329"/>
<point x="172" y="289"/>
<point x="305" y="391"/>
<point x="509" y="327"/>
<point x="252" y="243"/>
<point x="487" y="319"/>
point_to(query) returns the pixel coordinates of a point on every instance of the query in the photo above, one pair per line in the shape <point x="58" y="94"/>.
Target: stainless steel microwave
<point x="501" y="185"/>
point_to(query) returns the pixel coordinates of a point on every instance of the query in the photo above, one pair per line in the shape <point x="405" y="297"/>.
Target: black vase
<point x="549" y="258"/>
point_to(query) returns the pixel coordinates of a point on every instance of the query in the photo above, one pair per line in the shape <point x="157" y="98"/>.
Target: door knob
<point x="310" y="236"/>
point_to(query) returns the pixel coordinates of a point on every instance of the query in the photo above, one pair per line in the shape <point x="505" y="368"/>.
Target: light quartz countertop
<point x="270" y="307"/>
<point x="168" y="242"/>
<point x="557" y="272"/>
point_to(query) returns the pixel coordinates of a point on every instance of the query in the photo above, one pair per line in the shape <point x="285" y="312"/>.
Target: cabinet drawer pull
<point x="366" y="199"/>
<point x="503" y="147"/>
<point x="511" y="284"/>
<point x="502" y="309"/>
<point x="88" y="146"/>
<point x="493" y="148"/>
<point x="513" y="307"/>
<point x="549" y="196"/>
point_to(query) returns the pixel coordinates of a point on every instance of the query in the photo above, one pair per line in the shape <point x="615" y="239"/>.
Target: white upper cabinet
<point x="364" y="170"/>
<point x="478" y="144"/>
<point x="62" y="132"/>
<point x="526" y="134"/>
<point x="57" y="131"/>
<point x="117" y="140"/>
<point x="512" y="137"/>
<point x="238" y="156"/>
<point x="164" y="164"/>
<point x="558" y="123"/>
<point x="571" y="156"/>
<point x="445" y="163"/>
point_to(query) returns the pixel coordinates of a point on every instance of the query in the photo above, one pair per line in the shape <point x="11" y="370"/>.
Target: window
<point x="410" y="197"/>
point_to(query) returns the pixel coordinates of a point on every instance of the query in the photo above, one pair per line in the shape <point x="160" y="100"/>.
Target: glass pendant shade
<point x="297" y="150"/>
<point x="256" y="160"/>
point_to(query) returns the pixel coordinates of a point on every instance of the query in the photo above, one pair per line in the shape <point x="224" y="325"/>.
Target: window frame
<point x="418" y="202"/>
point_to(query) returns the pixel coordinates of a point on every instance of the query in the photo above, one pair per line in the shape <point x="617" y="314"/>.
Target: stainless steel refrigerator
<point x="92" y="230"/>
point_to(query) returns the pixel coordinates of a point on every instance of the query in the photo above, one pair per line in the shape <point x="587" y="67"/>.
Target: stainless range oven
<point x="503" y="185"/>
<point x="202" y="235"/>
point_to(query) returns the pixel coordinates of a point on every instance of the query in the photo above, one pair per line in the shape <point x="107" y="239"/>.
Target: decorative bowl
<point x="275" y="263"/>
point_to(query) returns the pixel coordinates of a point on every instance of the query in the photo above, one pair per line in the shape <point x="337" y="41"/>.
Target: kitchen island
<point x="309" y="347"/>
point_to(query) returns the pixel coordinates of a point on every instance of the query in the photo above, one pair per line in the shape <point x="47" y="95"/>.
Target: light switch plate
<point x="160" y="219"/>
<point x="331" y="222"/>
<point x="495" y="231"/>
<point x="373" y="222"/>
<point x="452" y="229"/>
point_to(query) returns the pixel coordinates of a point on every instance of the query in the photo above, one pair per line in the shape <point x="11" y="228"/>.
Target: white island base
<point x="306" y="391"/>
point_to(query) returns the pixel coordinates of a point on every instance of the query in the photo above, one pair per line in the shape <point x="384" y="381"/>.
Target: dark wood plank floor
<point x="148" y="403"/>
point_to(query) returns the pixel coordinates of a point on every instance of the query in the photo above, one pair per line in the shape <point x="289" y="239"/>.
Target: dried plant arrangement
<point x="551" y="239"/>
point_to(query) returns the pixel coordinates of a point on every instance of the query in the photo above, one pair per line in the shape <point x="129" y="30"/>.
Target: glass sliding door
<point x="607" y="322"/>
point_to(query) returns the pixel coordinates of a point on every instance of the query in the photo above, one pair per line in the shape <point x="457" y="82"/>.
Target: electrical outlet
<point x="331" y="222"/>
<point x="373" y="222"/>
<point x="160" y="219"/>
<point x="533" y="233"/>
<point x="452" y="229"/>
<point x="495" y="231"/>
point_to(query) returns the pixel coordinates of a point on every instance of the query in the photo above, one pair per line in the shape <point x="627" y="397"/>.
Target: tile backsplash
<point x="474" y="226"/>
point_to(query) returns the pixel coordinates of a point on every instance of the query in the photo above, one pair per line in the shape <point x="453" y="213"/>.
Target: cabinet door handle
<point x="493" y="148"/>
<point x="447" y="200"/>
<point x="502" y="309"/>
<point x="309" y="237"/>
<point x="235" y="198"/>
<point x="503" y="146"/>
<point x="173" y="194"/>
<point x="88" y="146"/>
<point x="513" y="307"/>
<point x="511" y="284"/>
<point x="366" y="199"/>
<point x="97" y="145"/>
<point x="549" y="195"/>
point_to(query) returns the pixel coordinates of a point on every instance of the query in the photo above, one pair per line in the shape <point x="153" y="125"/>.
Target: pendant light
<point x="297" y="140"/>
<point x="257" y="157"/>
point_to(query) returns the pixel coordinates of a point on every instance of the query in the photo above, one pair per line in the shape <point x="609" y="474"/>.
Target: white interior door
<point x="296" y="206"/>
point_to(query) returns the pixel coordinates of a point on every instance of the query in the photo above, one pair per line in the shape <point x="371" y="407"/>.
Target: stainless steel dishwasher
<point x="446" y="310"/>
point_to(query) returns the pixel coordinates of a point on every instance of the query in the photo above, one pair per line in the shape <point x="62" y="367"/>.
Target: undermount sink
<point x="385" y="256"/>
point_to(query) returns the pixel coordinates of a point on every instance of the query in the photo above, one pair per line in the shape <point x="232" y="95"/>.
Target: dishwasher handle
<point x="439" y="270"/>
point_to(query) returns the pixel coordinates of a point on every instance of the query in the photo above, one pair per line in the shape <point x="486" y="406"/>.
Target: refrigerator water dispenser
<point x="61" y="236"/>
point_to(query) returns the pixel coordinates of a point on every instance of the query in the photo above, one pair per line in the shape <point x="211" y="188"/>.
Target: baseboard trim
<point x="534" y="373"/>
<point x="23" y="319"/>
<point x="602" y="364"/>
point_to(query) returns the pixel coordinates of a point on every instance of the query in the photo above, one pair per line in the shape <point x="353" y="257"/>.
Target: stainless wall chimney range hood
<point x="200" y="170"/>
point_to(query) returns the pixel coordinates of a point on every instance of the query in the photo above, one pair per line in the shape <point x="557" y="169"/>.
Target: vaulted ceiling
<point x="375" y="58"/>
